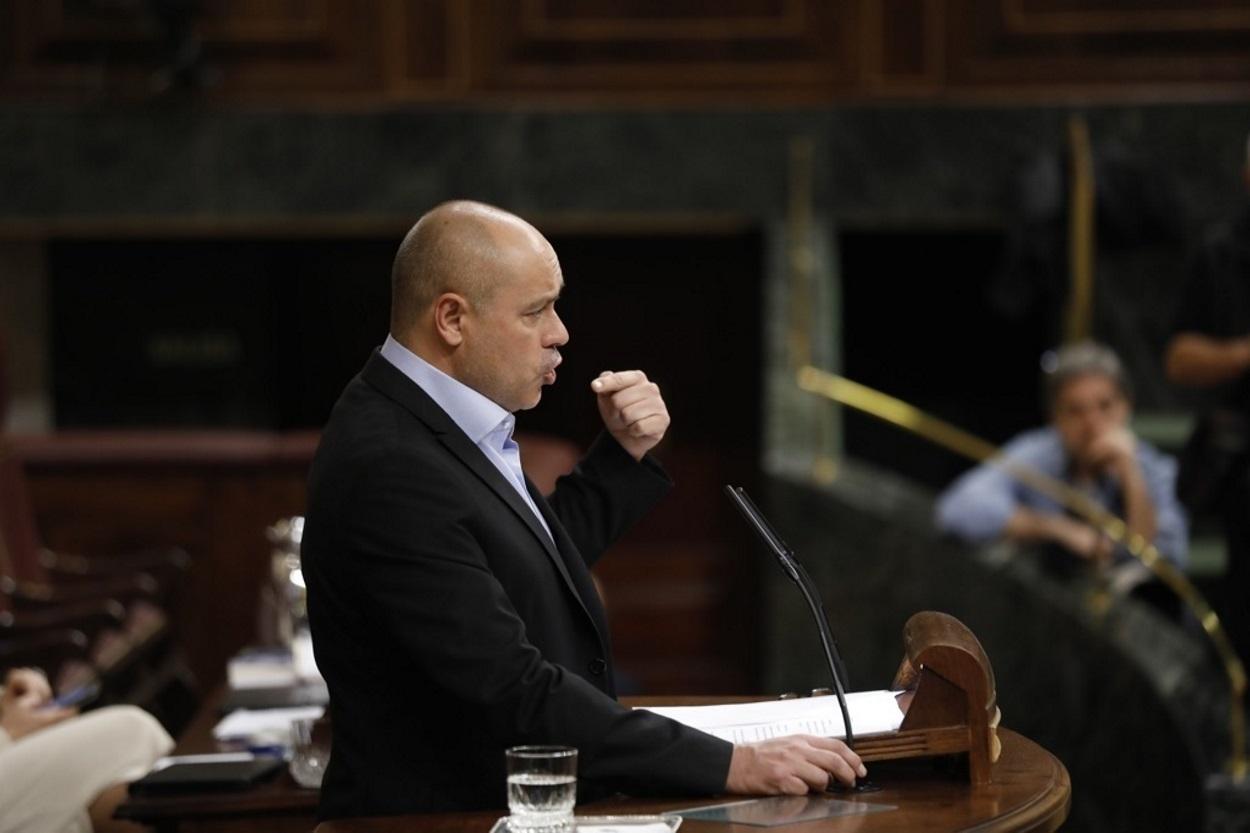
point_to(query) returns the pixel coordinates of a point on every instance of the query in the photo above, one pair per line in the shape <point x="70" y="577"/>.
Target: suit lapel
<point x="582" y="583"/>
<point x="391" y="381"/>
<point x="469" y="454"/>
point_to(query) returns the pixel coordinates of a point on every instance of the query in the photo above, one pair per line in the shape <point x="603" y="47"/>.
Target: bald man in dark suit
<point x="452" y="609"/>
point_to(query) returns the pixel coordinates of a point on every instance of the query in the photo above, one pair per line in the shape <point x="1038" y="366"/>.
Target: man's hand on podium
<point x="791" y="765"/>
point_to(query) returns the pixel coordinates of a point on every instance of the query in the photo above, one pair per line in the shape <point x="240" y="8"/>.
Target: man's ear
<point x="449" y="311"/>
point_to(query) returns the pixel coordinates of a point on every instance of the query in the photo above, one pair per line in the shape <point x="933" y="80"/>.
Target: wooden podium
<point x="1011" y="783"/>
<point x="1030" y="791"/>
<point x="953" y="703"/>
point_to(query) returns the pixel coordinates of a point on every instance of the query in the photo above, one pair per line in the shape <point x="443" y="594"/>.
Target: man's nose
<point x="559" y="335"/>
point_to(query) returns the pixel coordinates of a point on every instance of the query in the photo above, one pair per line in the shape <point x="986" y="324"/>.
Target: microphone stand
<point x="792" y="567"/>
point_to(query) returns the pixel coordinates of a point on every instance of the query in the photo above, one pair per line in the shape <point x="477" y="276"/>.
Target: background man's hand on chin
<point x="1113" y="451"/>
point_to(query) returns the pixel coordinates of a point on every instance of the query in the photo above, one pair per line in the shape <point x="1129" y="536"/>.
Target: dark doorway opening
<point x="920" y="323"/>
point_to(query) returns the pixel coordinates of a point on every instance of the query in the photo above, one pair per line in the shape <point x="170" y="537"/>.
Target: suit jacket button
<point x="598" y="666"/>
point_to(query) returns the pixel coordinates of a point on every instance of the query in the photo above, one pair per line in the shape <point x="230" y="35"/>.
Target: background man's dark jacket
<point x="447" y="625"/>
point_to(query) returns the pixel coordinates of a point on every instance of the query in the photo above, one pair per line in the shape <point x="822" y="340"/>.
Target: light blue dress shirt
<point x="976" y="507"/>
<point x="487" y="424"/>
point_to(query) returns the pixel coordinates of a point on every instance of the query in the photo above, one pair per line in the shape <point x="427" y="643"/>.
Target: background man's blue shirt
<point x="977" y="506"/>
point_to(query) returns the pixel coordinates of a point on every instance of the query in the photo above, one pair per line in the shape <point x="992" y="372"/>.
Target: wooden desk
<point x="1031" y="792"/>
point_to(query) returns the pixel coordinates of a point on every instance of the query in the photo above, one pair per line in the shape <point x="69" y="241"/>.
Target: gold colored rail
<point x="910" y="418"/>
<point x="1078" y="318"/>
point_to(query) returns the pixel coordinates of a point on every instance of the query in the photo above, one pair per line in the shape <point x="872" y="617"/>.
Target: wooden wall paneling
<point x="1067" y="17"/>
<point x="117" y="511"/>
<point x="51" y="46"/>
<point x="217" y="513"/>
<point x="665" y="606"/>
<point x="679" y="587"/>
<point x="297" y="46"/>
<point x="121" y="510"/>
<point x="772" y="51"/>
<point x="1062" y="43"/>
<point x="427" y="49"/>
<point x="903" y="45"/>
<point x="292" y="47"/>
<point x="651" y="46"/>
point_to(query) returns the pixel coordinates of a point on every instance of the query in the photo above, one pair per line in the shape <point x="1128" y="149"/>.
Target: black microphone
<point x="792" y="567"/>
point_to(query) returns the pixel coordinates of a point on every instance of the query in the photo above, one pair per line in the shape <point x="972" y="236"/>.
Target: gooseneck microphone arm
<point x="836" y="668"/>
<point x="792" y="567"/>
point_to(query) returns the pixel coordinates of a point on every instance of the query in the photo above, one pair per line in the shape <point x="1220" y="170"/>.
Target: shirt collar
<point x="477" y="416"/>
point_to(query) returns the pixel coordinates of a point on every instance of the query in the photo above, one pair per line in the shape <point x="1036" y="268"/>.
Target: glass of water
<point x="542" y="788"/>
<point x="310" y="751"/>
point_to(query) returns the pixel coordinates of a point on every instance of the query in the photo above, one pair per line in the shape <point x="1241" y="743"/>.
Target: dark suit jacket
<point x="448" y="626"/>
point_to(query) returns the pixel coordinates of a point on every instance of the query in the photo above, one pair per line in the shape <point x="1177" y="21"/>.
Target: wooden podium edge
<point x="1050" y="808"/>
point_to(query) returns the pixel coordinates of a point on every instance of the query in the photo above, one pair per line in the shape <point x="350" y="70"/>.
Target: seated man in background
<point x="65" y="773"/>
<point x="1090" y="447"/>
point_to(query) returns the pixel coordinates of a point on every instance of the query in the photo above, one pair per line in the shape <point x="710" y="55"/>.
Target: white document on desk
<point x="872" y="713"/>
<point x="274" y="724"/>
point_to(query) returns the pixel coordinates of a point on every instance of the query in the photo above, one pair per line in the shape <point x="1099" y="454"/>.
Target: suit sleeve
<point x="606" y="494"/>
<point x="431" y="587"/>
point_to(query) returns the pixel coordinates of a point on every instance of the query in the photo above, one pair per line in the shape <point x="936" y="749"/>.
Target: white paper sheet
<point x="872" y="713"/>
<point x="207" y="758"/>
<point x="269" y="723"/>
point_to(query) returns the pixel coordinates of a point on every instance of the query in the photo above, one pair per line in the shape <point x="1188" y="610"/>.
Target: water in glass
<point x="542" y="788"/>
<point x="539" y="801"/>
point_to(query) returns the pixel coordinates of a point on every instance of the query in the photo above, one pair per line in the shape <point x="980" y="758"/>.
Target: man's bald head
<point x="462" y="247"/>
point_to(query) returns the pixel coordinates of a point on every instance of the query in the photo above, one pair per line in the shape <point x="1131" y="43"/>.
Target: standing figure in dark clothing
<point x="1210" y="349"/>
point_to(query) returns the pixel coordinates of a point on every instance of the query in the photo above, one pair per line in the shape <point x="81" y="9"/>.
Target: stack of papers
<point x="276" y="686"/>
<point x="261" y="668"/>
<point x="872" y="713"/>
<point x="274" y="667"/>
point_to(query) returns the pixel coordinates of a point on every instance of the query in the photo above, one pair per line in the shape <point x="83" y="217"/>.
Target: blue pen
<point x="78" y="695"/>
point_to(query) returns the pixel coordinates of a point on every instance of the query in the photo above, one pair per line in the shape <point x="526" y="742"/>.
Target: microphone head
<point x="764" y="530"/>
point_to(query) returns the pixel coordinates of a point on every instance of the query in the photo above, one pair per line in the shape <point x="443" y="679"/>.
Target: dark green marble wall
<point x="887" y="164"/>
